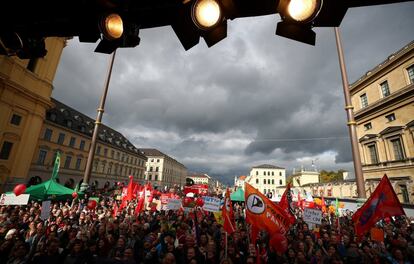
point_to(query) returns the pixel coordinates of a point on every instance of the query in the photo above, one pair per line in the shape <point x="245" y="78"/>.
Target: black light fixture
<point x="297" y="19"/>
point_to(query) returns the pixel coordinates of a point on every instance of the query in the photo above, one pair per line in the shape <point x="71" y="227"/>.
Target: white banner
<point x="174" y="204"/>
<point x="45" y="213"/>
<point x="313" y="216"/>
<point x="211" y="204"/>
<point x="12" y="199"/>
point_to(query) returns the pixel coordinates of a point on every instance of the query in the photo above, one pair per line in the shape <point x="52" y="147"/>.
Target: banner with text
<point x="313" y="216"/>
<point x="211" y="204"/>
<point x="174" y="204"/>
<point x="12" y="199"/>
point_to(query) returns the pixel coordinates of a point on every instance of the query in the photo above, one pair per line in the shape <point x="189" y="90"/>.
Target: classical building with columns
<point x="383" y="101"/>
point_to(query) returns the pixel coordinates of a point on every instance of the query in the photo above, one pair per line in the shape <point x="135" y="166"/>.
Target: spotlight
<point x="302" y="11"/>
<point x="112" y="26"/>
<point x="206" y="13"/>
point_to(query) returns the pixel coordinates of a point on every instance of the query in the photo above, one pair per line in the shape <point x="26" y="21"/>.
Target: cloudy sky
<point x="251" y="99"/>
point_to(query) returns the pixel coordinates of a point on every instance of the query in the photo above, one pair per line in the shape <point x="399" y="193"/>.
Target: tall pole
<point x="351" y="121"/>
<point x="88" y="169"/>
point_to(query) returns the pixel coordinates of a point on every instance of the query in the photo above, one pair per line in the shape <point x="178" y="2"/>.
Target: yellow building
<point x="25" y="90"/>
<point x="384" y="111"/>
<point x="162" y="170"/>
<point x="69" y="132"/>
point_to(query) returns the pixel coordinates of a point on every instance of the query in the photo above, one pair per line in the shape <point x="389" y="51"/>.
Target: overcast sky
<point x="251" y="99"/>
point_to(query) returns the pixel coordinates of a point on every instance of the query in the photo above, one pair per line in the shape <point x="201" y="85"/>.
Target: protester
<point x="78" y="233"/>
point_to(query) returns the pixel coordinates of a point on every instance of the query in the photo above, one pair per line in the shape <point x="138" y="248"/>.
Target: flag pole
<point x="225" y="247"/>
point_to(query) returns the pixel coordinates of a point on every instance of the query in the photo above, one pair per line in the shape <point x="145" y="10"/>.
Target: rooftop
<point x="151" y="152"/>
<point x="70" y="118"/>
<point x="267" y="166"/>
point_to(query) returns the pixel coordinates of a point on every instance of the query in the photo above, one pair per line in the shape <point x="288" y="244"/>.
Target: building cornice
<point x="394" y="98"/>
<point x="393" y="61"/>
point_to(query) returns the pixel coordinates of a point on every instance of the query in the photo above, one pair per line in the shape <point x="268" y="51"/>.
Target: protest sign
<point x="312" y="216"/>
<point x="211" y="204"/>
<point x="45" y="213"/>
<point x="12" y="199"/>
<point x="174" y="204"/>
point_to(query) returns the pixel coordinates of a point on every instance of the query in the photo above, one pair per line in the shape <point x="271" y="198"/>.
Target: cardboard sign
<point x="377" y="234"/>
<point x="211" y="204"/>
<point x="12" y="199"/>
<point x="174" y="204"/>
<point x="313" y="216"/>
<point x="45" y="213"/>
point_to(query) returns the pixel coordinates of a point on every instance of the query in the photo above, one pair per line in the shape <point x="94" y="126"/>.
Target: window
<point x="404" y="192"/>
<point x="257" y="172"/>
<point x="152" y="160"/>
<point x="273" y="173"/>
<point x="264" y="191"/>
<point x="69" y="123"/>
<point x="398" y="150"/>
<point x="98" y="150"/>
<point x="150" y="169"/>
<point x="156" y="168"/>
<point x="390" y="117"/>
<point x="273" y="181"/>
<point x="410" y="71"/>
<point x="82" y="145"/>
<point x="42" y="157"/>
<point x="78" y="163"/>
<point x="5" y="150"/>
<point x="67" y="162"/>
<point x="368" y="126"/>
<point x="385" y="89"/>
<point x="280" y="182"/>
<point x="105" y="152"/>
<point x="48" y="134"/>
<point x="257" y="181"/>
<point x="150" y="177"/>
<point x="364" y="100"/>
<point x="158" y="160"/>
<point x="264" y="181"/>
<point x="61" y="138"/>
<point x="109" y="168"/>
<point x="112" y="154"/>
<point x="156" y="178"/>
<point x="53" y="116"/>
<point x="280" y="173"/>
<point x="16" y="119"/>
<point x="372" y="150"/>
<point x="72" y="142"/>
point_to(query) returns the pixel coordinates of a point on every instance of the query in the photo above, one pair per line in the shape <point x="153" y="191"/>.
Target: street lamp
<point x="351" y="121"/>
<point x="85" y="183"/>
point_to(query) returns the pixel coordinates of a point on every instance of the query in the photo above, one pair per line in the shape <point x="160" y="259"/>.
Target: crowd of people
<point x="75" y="233"/>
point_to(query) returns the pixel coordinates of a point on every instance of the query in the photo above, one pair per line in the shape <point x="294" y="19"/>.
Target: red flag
<point x="228" y="214"/>
<point x="323" y="205"/>
<point x="285" y="202"/>
<point x="382" y="203"/>
<point x="115" y="209"/>
<point x="254" y="232"/>
<point x="264" y="214"/>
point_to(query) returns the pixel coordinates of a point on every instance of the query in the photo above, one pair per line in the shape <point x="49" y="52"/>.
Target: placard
<point x="45" y="213"/>
<point x="12" y="199"/>
<point x="174" y="204"/>
<point x="211" y="204"/>
<point x="312" y="216"/>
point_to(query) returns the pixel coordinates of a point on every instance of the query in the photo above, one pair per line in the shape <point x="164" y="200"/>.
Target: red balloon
<point x="19" y="189"/>
<point x="91" y="204"/>
<point x="200" y="202"/>
<point x="74" y="195"/>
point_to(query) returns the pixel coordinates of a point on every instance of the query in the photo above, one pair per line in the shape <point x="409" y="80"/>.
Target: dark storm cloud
<point x="224" y="109"/>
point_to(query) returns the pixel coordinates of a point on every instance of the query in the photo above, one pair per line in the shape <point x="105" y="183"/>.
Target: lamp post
<point x="351" y="121"/>
<point x="88" y="169"/>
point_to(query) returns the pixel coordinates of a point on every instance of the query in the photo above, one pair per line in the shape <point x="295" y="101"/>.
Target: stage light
<point x="303" y="10"/>
<point x="112" y="27"/>
<point x="206" y="14"/>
